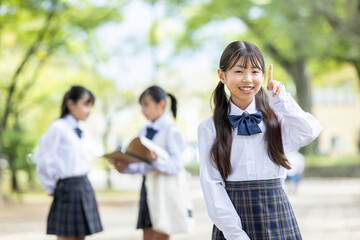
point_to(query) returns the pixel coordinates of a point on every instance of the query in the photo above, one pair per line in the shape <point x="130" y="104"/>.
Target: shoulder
<point x="174" y="129"/>
<point x="207" y="124"/>
<point x="54" y="131"/>
<point x="57" y="125"/>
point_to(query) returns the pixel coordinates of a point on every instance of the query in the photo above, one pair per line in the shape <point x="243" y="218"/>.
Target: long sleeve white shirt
<point x="249" y="158"/>
<point x="175" y="145"/>
<point x="61" y="153"/>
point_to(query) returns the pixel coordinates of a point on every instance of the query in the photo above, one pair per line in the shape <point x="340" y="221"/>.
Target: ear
<point x="221" y="75"/>
<point x="162" y="104"/>
<point x="70" y="103"/>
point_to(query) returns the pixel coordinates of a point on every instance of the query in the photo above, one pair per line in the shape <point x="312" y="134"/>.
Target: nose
<point x="247" y="78"/>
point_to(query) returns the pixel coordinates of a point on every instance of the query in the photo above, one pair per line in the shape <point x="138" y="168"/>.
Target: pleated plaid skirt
<point x="264" y="210"/>
<point x="74" y="211"/>
<point x="144" y="220"/>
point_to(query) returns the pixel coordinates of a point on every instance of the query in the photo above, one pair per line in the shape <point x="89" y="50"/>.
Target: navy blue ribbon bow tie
<point x="78" y="132"/>
<point x="150" y="133"/>
<point x="246" y="123"/>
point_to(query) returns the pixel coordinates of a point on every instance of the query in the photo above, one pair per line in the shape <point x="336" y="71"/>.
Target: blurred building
<point x="338" y="110"/>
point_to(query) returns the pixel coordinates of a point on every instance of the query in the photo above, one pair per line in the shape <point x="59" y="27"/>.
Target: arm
<point x="298" y="128"/>
<point x="46" y="157"/>
<point x="140" y="167"/>
<point x="219" y="206"/>
<point x="175" y="145"/>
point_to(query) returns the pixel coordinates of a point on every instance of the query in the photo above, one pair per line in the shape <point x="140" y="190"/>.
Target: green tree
<point x="290" y="35"/>
<point x="289" y="32"/>
<point x="343" y="18"/>
<point x="32" y="33"/>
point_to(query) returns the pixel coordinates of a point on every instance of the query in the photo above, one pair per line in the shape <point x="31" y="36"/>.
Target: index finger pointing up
<point x="270" y="74"/>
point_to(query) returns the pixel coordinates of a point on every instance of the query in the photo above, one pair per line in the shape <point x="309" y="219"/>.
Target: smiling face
<point x="243" y="81"/>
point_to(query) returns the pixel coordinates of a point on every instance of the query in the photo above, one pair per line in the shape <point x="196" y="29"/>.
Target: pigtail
<point x="221" y="148"/>
<point x="275" y="148"/>
<point x="64" y="108"/>
<point x="173" y="104"/>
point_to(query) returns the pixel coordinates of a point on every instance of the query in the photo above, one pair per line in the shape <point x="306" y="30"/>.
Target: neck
<point x="156" y="117"/>
<point x="242" y="104"/>
<point x="77" y="120"/>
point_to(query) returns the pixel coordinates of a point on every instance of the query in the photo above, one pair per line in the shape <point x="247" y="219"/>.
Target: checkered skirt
<point x="264" y="210"/>
<point x="74" y="211"/>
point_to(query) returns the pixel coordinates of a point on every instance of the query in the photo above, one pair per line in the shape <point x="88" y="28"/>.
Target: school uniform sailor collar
<point x="160" y="122"/>
<point x="235" y="110"/>
<point x="71" y="121"/>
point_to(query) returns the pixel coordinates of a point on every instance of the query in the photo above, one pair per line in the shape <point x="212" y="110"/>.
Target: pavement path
<point x="326" y="209"/>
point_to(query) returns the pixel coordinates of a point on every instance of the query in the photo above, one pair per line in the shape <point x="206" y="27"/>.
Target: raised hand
<point x="273" y="85"/>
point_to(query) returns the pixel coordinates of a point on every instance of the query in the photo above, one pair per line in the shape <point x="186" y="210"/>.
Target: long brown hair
<point x="221" y="148"/>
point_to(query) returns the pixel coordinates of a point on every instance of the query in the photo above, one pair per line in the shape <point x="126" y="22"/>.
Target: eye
<point x="238" y="71"/>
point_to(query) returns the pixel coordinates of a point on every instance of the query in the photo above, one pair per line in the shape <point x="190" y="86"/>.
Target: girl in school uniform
<point x="153" y="102"/>
<point x="242" y="147"/>
<point x="62" y="168"/>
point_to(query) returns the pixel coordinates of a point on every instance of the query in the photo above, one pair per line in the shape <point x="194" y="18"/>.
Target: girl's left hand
<point x="153" y="156"/>
<point x="120" y="166"/>
<point x="273" y="85"/>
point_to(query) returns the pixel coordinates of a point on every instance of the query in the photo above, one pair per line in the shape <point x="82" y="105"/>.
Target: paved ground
<point x="325" y="209"/>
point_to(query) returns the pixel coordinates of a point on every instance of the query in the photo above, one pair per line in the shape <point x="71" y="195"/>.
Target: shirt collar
<point x="160" y="122"/>
<point x="71" y="121"/>
<point x="235" y="110"/>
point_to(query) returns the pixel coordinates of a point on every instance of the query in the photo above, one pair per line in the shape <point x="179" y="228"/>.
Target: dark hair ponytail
<point x="275" y="148"/>
<point x="221" y="148"/>
<point x="158" y="94"/>
<point x="75" y="93"/>
<point x="173" y="104"/>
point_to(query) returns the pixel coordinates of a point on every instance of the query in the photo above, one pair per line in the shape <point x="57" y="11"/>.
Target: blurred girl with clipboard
<point x="163" y="172"/>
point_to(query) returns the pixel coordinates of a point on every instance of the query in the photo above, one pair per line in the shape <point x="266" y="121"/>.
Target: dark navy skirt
<point x="264" y="210"/>
<point x="144" y="220"/>
<point x="74" y="211"/>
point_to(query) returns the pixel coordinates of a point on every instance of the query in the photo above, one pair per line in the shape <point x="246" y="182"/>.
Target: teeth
<point x="246" y="88"/>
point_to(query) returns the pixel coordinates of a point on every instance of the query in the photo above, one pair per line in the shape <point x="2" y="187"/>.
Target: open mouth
<point x="247" y="88"/>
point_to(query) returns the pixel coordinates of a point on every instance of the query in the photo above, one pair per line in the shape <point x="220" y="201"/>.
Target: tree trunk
<point x="107" y="168"/>
<point x="297" y="72"/>
<point x="14" y="181"/>
<point x="104" y="141"/>
<point x="14" y="79"/>
<point x="357" y="68"/>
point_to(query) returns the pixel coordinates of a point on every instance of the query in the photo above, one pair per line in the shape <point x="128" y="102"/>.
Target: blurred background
<point x="117" y="48"/>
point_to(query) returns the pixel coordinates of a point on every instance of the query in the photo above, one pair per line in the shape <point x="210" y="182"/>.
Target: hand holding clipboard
<point x="140" y="149"/>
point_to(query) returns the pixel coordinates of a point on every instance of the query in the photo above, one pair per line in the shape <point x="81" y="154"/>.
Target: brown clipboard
<point x="135" y="152"/>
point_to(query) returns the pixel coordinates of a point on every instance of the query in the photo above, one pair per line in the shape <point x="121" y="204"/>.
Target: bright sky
<point x="130" y="60"/>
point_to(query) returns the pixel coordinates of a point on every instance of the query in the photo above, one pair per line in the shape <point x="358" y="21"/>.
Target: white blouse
<point x="249" y="158"/>
<point x="175" y="146"/>
<point x="61" y="153"/>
